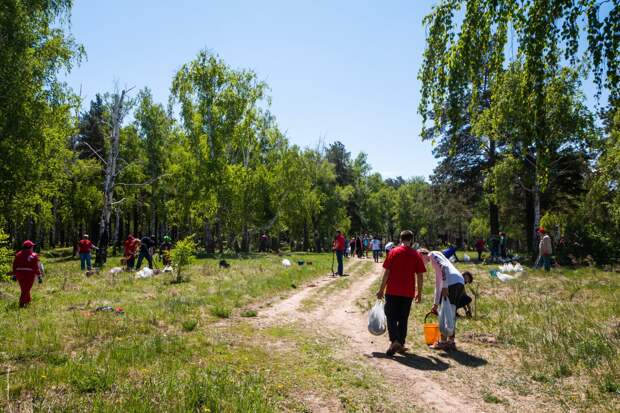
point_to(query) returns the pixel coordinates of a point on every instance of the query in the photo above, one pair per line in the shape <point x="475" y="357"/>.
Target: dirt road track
<point x="414" y="387"/>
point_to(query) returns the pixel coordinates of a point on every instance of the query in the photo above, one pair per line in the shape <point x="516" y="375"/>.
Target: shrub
<point x="249" y="313"/>
<point x="221" y="311"/>
<point x="182" y="255"/>
<point x="189" y="325"/>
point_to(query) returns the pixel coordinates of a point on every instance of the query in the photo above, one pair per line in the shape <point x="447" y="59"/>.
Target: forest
<point x="518" y="143"/>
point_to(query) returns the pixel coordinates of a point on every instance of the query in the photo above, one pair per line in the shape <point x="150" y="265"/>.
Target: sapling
<point x="182" y="255"/>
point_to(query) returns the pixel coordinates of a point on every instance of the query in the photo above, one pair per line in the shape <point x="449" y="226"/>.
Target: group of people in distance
<point x="144" y="248"/>
<point x="400" y="288"/>
<point x="359" y="246"/>
<point x="497" y="246"/>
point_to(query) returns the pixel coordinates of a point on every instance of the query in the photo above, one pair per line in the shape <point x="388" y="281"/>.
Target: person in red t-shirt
<point x="399" y="288"/>
<point x="129" y="254"/>
<point x="339" y="247"/>
<point x="26" y="268"/>
<point x="85" y="246"/>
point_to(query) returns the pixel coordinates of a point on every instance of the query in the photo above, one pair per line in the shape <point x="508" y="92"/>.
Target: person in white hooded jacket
<point x="449" y="283"/>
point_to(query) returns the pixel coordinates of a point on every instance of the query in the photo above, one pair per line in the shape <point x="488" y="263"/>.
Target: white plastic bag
<point x="286" y="263"/>
<point x="466" y="258"/>
<point x="447" y="314"/>
<point x="116" y="270"/>
<point x="145" y="273"/>
<point x="377" y="322"/>
<point x="504" y="277"/>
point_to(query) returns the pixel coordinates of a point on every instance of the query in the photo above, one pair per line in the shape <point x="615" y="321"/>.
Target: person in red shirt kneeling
<point x="26" y="268"/>
<point x="399" y="288"/>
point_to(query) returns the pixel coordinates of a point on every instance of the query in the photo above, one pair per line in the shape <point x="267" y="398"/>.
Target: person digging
<point x="398" y="286"/>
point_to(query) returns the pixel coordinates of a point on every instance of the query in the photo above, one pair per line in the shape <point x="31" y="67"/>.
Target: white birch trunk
<point x="536" y="201"/>
<point x="111" y="171"/>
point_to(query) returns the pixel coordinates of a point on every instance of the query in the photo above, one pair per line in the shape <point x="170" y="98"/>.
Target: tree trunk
<point x="118" y="112"/>
<point x="493" y="209"/>
<point x="306" y="244"/>
<point x="117" y="228"/>
<point x="245" y="239"/>
<point x="209" y="244"/>
<point x="536" y="207"/>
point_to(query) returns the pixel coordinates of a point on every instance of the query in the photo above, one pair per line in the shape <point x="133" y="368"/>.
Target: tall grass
<point x="565" y="325"/>
<point x="160" y="354"/>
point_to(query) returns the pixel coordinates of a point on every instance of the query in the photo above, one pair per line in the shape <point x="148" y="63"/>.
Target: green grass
<point x="160" y="355"/>
<point x="563" y="325"/>
<point x="556" y="336"/>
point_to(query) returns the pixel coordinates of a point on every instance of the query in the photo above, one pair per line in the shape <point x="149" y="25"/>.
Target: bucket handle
<point x="427" y="314"/>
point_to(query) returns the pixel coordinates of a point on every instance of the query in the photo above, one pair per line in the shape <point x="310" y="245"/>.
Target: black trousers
<point x="397" y="310"/>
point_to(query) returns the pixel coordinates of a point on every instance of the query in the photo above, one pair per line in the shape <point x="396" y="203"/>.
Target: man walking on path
<point x="545" y="248"/>
<point x="146" y="243"/>
<point x="85" y="246"/>
<point x="339" y="248"/>
<point x="25" y="269"/>
<point x="376" y="248"/>
<point x="399" y="288"/>
<point x="358" y="246"/>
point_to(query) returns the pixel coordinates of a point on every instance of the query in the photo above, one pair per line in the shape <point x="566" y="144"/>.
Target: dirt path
<point x="417" y="390"/>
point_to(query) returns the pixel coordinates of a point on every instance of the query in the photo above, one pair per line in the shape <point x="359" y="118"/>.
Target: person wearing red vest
<point x="339" y="248"/>
<point x="26" y="268"/>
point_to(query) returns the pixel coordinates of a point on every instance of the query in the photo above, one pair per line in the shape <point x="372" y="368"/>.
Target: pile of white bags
<point x="144" y="273"/>
<point x="507" y="268"/>
<point x="377" y="322"/>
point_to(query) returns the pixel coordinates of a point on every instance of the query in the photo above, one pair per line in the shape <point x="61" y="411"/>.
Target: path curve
<point x="340" y="314"/>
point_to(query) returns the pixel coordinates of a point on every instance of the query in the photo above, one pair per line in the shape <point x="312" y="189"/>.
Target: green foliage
<point x="189" y="325"/>
<point x="6" y="257"/>
<point x="479" y="228"/>
<point x="182" y="255"/>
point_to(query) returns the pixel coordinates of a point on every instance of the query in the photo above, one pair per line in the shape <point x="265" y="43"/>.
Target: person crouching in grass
<point x="450" y="284"/>
<point x="398" y="286"/>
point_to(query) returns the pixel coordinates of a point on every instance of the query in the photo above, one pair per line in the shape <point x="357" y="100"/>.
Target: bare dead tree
<point x="119" y="109"/>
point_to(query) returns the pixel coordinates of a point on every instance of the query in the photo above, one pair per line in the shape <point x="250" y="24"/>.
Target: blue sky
<point x="338" y="70"/>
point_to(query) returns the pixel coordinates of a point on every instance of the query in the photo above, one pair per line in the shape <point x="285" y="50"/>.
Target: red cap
<point x="540" y="229"/>
<point x="28" y="244"/>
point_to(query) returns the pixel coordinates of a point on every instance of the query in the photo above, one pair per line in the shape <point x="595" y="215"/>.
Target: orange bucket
<point x="431" y="331"/>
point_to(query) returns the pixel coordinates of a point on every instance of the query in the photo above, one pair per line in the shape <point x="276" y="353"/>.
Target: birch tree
<point x="118" y="110"/>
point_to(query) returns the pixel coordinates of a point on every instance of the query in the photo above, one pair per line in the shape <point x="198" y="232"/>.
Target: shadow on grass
<point x="464" y="359"/>
<point x="415" y="361"/>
